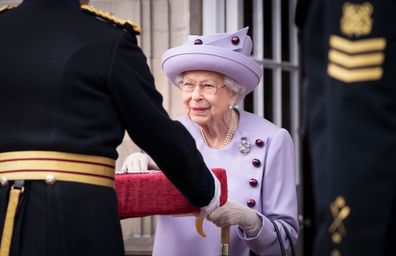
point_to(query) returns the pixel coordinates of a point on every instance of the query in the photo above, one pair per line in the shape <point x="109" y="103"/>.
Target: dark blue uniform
<point x="71" y="82"/>
<point x="350" y="63"/>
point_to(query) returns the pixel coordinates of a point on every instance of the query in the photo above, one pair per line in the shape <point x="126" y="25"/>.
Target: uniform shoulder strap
<point x="6" y="8"/>
<point x="110" y="18"/>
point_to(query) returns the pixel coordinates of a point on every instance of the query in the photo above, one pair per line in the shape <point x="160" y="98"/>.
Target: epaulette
<point x="109" y="17"/>
<point x="6" y="8"/>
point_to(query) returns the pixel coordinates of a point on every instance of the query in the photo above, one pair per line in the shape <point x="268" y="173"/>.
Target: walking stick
<point x="225" y="241"/>
<point x="225" y="236"/>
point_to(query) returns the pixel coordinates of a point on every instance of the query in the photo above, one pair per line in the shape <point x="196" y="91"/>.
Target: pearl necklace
<point x="230" y="132"/>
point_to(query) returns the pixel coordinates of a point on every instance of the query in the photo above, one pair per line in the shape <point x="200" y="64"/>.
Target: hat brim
<point x="239" y="67"/>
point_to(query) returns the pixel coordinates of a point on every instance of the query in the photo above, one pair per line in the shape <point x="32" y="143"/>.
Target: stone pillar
<point x="164" y="24"/>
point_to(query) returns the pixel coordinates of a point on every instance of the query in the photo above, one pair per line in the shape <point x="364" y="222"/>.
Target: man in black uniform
<point x="350" y="54"/>
<point x="70" y="85"/>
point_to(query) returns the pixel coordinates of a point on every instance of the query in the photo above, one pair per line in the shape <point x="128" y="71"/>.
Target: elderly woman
<point x="213" y="73"/>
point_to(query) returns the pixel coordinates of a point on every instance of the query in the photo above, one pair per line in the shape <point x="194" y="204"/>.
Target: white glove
<point x="138" y="163"/>
<point x="233" y="213"/>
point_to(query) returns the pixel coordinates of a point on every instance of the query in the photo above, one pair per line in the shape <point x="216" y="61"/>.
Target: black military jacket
<point x="71" y="82"/>
<point x="350" y="66"/>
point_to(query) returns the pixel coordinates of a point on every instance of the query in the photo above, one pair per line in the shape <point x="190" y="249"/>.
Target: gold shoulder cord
<point x="6" y="8"/>
<point x="107" y="16"/>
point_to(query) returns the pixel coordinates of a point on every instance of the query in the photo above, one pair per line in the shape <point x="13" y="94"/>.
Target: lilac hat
<point x="225" y="53"/>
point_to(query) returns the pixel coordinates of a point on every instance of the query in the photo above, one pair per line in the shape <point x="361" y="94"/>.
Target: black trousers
<point x="64" y="219"/>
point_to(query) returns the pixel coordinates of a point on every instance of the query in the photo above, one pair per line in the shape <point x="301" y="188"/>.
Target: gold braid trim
<point x="109" y="17"/>
<point x="6" y="8"/>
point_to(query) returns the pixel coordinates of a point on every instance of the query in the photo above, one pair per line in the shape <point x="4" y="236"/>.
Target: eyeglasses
<point x="205" y="88"/>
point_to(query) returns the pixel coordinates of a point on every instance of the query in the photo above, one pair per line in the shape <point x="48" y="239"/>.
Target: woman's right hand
<point x="138" y="163"/>
<point x="234" y="213"/>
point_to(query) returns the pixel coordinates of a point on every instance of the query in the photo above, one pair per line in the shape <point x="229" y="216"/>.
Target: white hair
<point x="235" y="87"/>
<point x="228" y="82"/>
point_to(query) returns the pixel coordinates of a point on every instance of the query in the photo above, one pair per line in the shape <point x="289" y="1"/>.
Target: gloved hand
<point x="233" y="213"/>
<point x="138" y="163"/>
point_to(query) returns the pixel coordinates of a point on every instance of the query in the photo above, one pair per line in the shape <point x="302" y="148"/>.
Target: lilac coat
<point x="274" y="195"/>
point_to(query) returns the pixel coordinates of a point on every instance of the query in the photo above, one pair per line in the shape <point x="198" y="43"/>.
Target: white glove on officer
<point x="138" y="163"/>
<point x="233" y="213"/>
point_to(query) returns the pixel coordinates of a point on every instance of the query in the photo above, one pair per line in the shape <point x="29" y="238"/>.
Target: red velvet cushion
<point x="153" y="194"/>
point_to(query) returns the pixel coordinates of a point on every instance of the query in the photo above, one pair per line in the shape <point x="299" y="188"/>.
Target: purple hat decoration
<point x="225" y="53"/>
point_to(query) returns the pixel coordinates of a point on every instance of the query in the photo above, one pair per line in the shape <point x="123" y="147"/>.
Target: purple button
<point x="235" y="40"/>
<point x="253" y="182"/>
<point x="256" y="163"/>
<point x="251" y="203"/>
<point x="198" y="41"/>
<point x="259" y="143"/>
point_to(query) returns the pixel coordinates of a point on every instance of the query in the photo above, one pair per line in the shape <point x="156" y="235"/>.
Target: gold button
<point x="336" y="237"/>
<point x="50" y="179"/>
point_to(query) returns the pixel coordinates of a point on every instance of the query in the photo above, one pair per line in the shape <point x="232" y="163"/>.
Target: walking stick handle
<point x="225" y="241"/>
